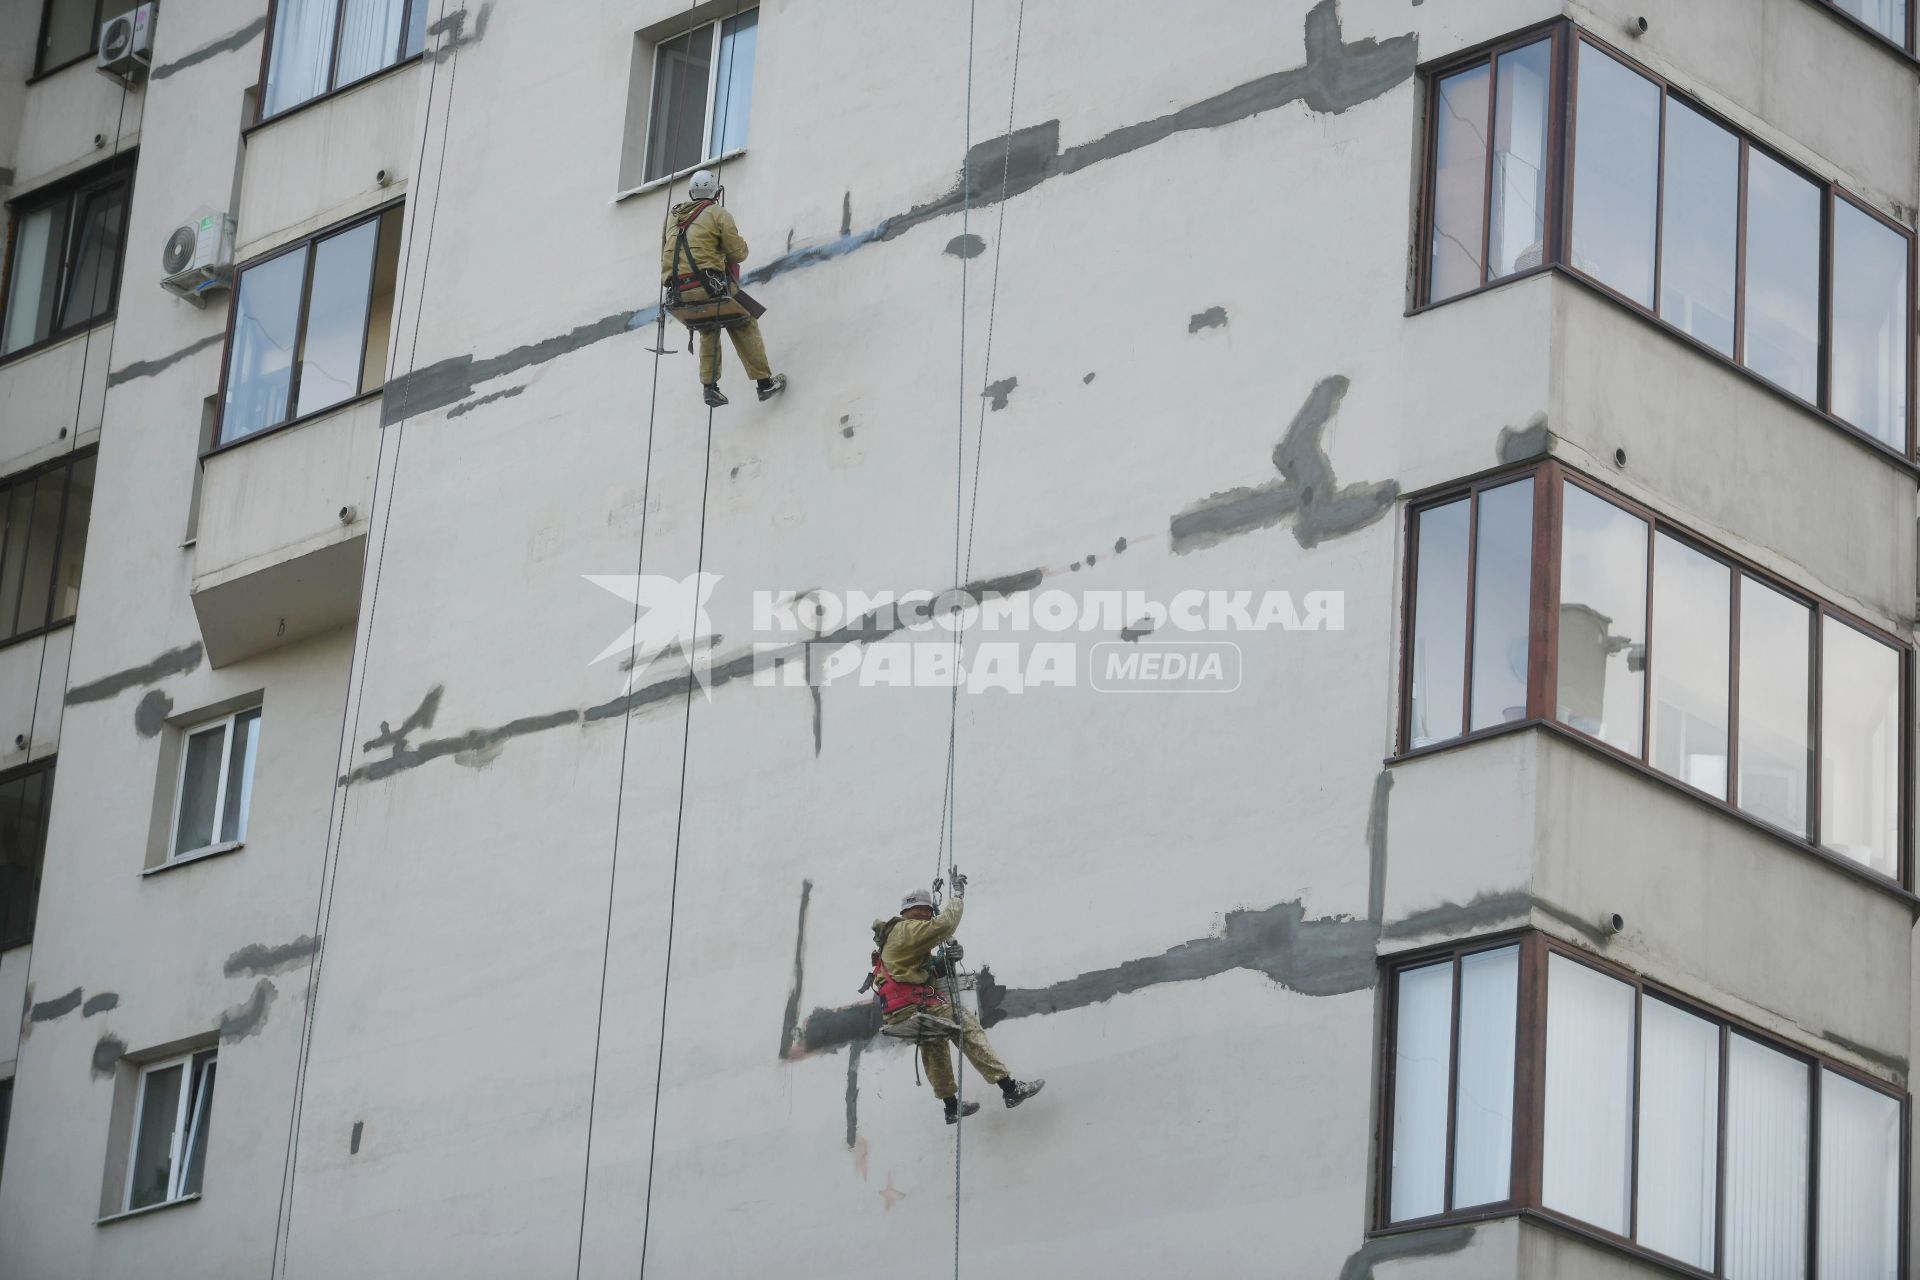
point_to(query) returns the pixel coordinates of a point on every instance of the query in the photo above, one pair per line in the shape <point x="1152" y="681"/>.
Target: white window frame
<point x="187" y="735"/>
<point x="188" y="1120"/>
<point x="713" y="86"/>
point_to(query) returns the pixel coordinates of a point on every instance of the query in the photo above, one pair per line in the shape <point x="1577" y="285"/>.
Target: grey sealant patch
<point x="1530" y="441"/>
<point x="1377" y="846"/>
<point x="151" y="712"/>
<point x="353" y="1143"/>
<point x="159" y="364"/>
<point x="1211" y="318"/>
<point x="1088" y="378"/>
<point x="104" y="1002"/>
<point x="107" y="1052"/>
<point x="58" y="1007"/>
<point x="228" y="43"/>
<point x="246" y="1019"/>
<point x="966" y="246"/>
<point x="790" y="1020"/>
<point x="1137" y="631"/>
<point x="1418" y="1244"/>
<point x="466" y="407"/>
<point x="257" y="959"/>
<point x="1307" y="491"/>
<point x="174" y="662"/>
<point x="997" y="392"/>
<point x="846" y="215"/>
<point x="454" y="27"/>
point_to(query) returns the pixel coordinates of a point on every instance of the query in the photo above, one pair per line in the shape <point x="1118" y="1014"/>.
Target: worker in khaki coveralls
<point x="905" y="970"/>
<point x="716" y="247"/>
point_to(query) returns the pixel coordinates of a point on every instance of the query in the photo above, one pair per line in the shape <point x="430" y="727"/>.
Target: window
<point x="43" y="544"/>
<point x="216" y="783"/>
<point x="1663" y="1126"/>
<point x="64" y="258"/>
<point x="1664" y="650"/>
<point x="173" y="1108"/>
<point x="309" y="326"/>
<point x="318" y="46"/>
<point x="1670" y="211"/>
<point x="23" y="848"/>
<point x="1885" y="18"/>
<point x="70" y="30"/>
<point x="702" y="95"/>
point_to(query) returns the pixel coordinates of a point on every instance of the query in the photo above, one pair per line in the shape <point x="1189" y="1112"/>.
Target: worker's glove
<point x="953" y="953"/>
<point x="959" y="882"/>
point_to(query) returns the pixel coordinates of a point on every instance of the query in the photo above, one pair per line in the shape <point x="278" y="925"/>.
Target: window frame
<point x="1556" y="255"/>
<point x="16" y="774"/>
<point x="186" y="1119"/>
<point x="309" y="243"/>
<point x="40" y="42"/>
<point x="188" y="732"/>
<point x="1551" y="477"/>
<point x="1905" y="47"/>
<point x="713" y="26"/>
<point x="72" y="191"/>
<point x="262" y="119"/>
<point x="70" y="461"/>
<point x="1529" y="1117"/>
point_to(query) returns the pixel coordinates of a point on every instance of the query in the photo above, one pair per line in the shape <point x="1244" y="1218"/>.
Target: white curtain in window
<point x="1859" y="1181"/>
<point x="1589" y="1131"/>
<point x="1483" y="1093"/>
<point x="1679" y="1132"/>
<point x="369" y="38"/>
<point x="1422" y="1042"/>
<point x="1767" y="1111"/>
<point x="302" y="53"/>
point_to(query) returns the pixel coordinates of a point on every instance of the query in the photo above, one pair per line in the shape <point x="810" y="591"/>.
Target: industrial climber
<point x="700" y="255"/>
<point x="909" y="979"/>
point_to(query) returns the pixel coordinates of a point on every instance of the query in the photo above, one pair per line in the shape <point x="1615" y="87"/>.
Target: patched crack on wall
<point x="258" y="959"/>
<point x="462" y="409"/>
<point x="58" y="1007"/>
<point x="1211" y="318"/>
<point x="151" y="712"/>
<point x="454" y="27"/>
<point x="966" y="245"/>
<point x="247" y="1018"/>
<point x="997" y="392"/>
<point x="225" y="44"/>
<point x="1418" y="1244"/>
<point x="1307" y="491"/>
<point x="790" y="1021"/>
<point x="1494" y="907"/>
<point x="104" y="1002"/>
<point x="1530" y="441"/>
<point x="174" y="662"/>
<point x="147" y="368"/>
<point x="107" y="1052"/>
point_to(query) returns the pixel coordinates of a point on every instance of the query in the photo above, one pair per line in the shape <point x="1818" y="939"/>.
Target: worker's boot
<point x="771" y="387"/>
<point x="956" y="1112"/>
<point x="1015" y="1092"/>
<point x="713" y="397"/>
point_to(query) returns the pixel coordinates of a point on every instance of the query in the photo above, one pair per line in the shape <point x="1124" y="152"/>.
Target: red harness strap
<point x="897" y="995"/>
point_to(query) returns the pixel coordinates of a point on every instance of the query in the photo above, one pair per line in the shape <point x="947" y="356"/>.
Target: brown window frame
<point x="260" y="116"/>
<point x="307" y="242"/>
<point x="72" y="191"/>
<point x="1557" y="255"/>
<point x="41" y="72"/>
<point x="1550" y="479"/>
<point x="1525" y="1173"/>
<point x="8" y="941"/>
<point x="1902" y="46"/>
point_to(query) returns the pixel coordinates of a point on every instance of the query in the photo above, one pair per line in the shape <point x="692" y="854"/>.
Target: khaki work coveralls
<point x="906" y="952"/>
<point x="715" y="242"/>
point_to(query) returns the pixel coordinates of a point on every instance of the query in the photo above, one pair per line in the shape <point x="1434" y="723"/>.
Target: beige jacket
<point x="909" y="944"/>
<point x="713" y="239"/>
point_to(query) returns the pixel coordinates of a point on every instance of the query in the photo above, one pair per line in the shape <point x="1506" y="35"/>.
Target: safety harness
<point x="894" y="994"/>
<point x="718" y="284"/>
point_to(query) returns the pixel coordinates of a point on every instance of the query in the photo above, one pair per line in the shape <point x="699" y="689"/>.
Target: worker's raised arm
<point x="731" y="241"/>
<point x="923" y="936"/>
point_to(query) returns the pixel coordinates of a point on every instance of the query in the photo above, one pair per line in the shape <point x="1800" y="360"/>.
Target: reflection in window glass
<point x="1503" y="567"/>
<point x="96" y="256"/>
<point x="1616" y="159"/>
<point x="33" y="276"/>
<point x="1775" y="745"/>
<point x="242" y="751"/>
<point x="1888" y="17"/>
<point x="199" y="790"/>
<point x="1699" y="227"/>
<point x="1483" y="1101"/>
<point x="1439" y="656"/>
<point x="151" y="1177"/>
<point x="676" y="129"/>
<point x="1517" y="236"/>
<point x="73" y="541"/>
<point x="1679" y="1132"/>
<point x="330" y="353"/>
<point x="1859" y="1181"/>
<point x="1869" y="341"/>
<point x="386" y="272"/>
<point x="1692" y="653"/>
<point x="733" y="87"/>
<point x="260" y="366"/>
<point x="1422" y="1045"/>
<point x="1767" y="1116"/>
<point x="42" y="530"/>
<point x="1783" y="276"/>
<point x="23" y="848"/>
<point x="1603" y="605"/>
<point x="1859" y="747"/>
<point x="1589" y="1107"/>
<point x="1459" y="183"/>
<point x="199" y="1125"/>
<point x="69" y="32"/>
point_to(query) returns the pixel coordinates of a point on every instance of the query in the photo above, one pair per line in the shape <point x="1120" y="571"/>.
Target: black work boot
<point x="956" y="1113"/>
<point x="771" y="387"/>
<point x="1015" y="1092"/>
<point x="713" y="397"/>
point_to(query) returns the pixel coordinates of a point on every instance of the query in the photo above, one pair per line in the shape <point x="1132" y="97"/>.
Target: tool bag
<point x="724" y="307"/>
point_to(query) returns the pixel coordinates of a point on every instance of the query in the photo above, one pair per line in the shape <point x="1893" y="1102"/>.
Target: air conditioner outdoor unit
<point x="126" y="45"/>
<point x="199" y="258"/>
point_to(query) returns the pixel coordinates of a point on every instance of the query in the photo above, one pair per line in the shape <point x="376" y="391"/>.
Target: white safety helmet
<point x="917" y="898"/>
<point x="704" y="185"/>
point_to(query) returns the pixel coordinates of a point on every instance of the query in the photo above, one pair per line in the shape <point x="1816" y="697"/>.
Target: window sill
<point x="141" y="1213"/>
<point x="329" y="95"/>
<point x="87" y="57"/>
<point x="38" y="633"/>
<point x="669" y="178"/>
<point x="54" y="340"/>
<point x="198" y="855"/>
<point x="291" y="423"/>
<point x="1548" y="1220"/>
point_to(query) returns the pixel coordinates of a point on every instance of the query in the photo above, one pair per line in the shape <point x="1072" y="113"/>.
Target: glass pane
<point x="1692" y="659"/>
<point x="1699" y="227"/>
<point x="1767" y="1105"/>
<point x="1859" y="1181"/>
<point x="200" y="1117"/>
<point x="98" y="240"/>
<point x="1783" y="276"/>
<point x="302" y="53"/>
<point x="734" y="85"/>
<point x="199" y="790"/>
<point x="1502" y="579"/>
<point x="1483" y="1102"/>
<point x="1519" y="212"/>
<point x="16" y="508"/>
<point x="73" y="542"/>
<point x="1859" y="747"/>
<point x="1459" y="183"/>
<point x="70" y="32"/>
<point x="1616" y="157"/>
<point x="677" y="127"/>
<point x="330" y="356"/>
<point x="260" y="365"/>
<point x="1589" y="1111"/>
<point x="1439" y="656"/>
<point x="416" y="39"/>
<point x="39" y="238"/>
<point x="1603" y="607"/>
<point x="1888" y="17"/>
<point x="153" y="1138"/>
<point x="242" y="750"/>
<point x="23" y="844"/>
<point x="1776" y="748"/>
<point x="1869" y="324"/>
<point x="1422" y="1042"/>
<point x="369" y="38"/>
<point x="1679" y="1132"/>
<point x="42" y="533"/>
<point x="386" y="273"/>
